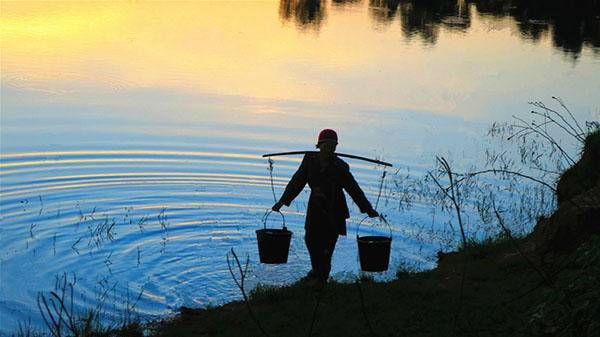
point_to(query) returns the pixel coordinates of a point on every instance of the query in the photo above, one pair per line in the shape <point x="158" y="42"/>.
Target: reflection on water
<point x="424" y="19"/>
<point x="305" y="13"/>
<point x="154" y="222"/>
<point x="342" y="3"/>
<point x="571" y="26"/>
<point x="383" y="11"/>
<point x="390" y="54"/>
<point x="153" y="116"/>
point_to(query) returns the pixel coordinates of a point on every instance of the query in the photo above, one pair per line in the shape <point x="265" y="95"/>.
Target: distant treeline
<point x="572" y="24"/>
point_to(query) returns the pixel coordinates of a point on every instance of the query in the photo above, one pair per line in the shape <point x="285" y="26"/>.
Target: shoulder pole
<point x="336" y="153"/>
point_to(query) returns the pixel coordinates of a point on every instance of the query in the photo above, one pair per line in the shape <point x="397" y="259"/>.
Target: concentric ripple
<point x="149" y="229"/>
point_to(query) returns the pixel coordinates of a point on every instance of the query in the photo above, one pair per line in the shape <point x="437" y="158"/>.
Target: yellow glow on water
<point x="52" y="42"/>
<point x="197" y="46"/>
<point x="246" y="49"/>
<point x="53" y="21"/>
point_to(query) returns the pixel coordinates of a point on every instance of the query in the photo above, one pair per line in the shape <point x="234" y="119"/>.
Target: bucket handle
<point x="267" y="213"/>
<point x="381" y="218"/>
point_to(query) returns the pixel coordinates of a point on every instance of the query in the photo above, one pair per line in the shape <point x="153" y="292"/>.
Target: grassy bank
<point x="503" y="296"/>
<point x="544" y="284"/>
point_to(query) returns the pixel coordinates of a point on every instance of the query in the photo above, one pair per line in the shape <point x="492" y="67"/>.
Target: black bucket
<point x="273" y="244"/>
<point x="374" y="251"/>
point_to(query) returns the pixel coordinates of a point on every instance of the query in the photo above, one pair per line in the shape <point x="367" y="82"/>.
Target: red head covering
<point x="327" y="134"/>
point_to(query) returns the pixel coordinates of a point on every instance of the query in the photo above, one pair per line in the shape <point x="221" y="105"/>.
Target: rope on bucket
<point x="271" y="175"/>
<point x="357" y="282"/>
<point x="266" y="216"/>
<point x="322" y="290"/>
<point x="271" y="162"/>
<point x="380" y="187"/>
<point x="381" y="218"/>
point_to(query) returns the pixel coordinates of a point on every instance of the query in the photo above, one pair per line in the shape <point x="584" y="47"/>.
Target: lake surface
<point x="132" y="133"/>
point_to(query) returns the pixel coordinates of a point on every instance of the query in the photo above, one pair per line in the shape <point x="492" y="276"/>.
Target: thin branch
<point x="548" y="138"/>
<point x="545" y="170"/>
<point x="435" y="180"/>
<point x="47" y="316"/>
<point x="240" y="285"/>
<point x="562" y="104"/>
<point x="473" y="174"/>
<point x="454" y="195"/>
<point x="571" y="132"/>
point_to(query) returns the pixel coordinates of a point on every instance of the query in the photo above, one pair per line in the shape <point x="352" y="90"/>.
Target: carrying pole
<point x="336" y="153"/>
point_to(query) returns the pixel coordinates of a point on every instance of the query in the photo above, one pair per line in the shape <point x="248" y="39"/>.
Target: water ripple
<point x="157" y="223"/>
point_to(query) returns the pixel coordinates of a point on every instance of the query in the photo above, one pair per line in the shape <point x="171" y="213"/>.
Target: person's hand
<point x="277" y="206"/>
<point x="372" y="213"/>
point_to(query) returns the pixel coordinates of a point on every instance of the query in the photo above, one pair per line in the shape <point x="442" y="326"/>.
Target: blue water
<point x="132" y="186"/>
<point x="176" y="212"/>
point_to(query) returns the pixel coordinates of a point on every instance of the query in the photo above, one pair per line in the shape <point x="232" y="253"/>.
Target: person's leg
<point x="320" y="245"/>
<point x="313" y="248"/>
<point x="329" y="246"/>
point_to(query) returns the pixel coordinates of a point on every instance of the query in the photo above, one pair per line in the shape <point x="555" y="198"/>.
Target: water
<point x="132" y="133"/>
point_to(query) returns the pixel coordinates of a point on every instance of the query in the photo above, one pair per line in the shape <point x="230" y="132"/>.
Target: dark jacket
<point x="327" y="203"/>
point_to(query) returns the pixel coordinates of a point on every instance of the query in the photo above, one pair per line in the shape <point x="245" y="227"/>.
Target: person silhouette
<point x="327" y="176"/>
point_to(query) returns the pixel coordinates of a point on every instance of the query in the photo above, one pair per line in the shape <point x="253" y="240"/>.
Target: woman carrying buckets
<point x="327" y="211"/>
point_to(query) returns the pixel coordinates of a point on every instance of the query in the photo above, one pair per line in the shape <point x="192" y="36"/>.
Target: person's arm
<point x="295" y="186"/>
<point x="357" y="194"/>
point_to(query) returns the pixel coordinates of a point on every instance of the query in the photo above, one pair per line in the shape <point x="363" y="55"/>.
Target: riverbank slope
<point x="545" y="284"/>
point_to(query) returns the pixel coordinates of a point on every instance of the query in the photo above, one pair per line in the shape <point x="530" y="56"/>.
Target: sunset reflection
<point x="288" y="50"/>
<point x="137" y="45"/>
<point x="305" y="13"/>
<point x="133" y="135"/>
